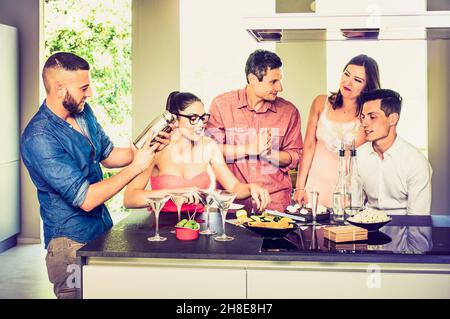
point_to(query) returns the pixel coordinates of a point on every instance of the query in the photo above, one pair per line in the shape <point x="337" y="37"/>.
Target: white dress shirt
<point x="400" y="181"/>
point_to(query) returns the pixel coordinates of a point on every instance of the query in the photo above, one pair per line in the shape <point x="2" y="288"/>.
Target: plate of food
<point x="270" y="226"/>
<point x="323" y="213"/>
<point x="372" y="220"/>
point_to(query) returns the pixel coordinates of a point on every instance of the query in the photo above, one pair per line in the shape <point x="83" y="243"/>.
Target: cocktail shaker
<point x="157" y="125"/>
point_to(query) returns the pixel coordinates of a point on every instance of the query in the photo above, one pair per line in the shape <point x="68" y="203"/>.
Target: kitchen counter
<point x="408" y="245"/>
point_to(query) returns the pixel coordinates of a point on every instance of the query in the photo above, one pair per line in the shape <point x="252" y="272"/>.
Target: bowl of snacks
<point x="187" y="229"/>
<point x="270" y="226"/>
<point x="241" y="217"/>
<point x="372" y="220"/>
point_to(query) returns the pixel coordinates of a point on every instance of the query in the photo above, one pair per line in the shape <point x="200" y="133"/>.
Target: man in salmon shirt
<point x="259" y="132"/>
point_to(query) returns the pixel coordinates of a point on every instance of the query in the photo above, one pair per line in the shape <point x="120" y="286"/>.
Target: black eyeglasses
<point x="194" y="118"/>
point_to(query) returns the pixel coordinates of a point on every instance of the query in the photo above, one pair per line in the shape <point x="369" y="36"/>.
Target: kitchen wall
<point x="214" y="46"/>
<point x="304" y="74"/>
<point x="439" y="115"/>
<point x="369" y="6"/>
<point x="293" y="6"/>
<point x="155" y="58"/>
<point x="438" y="123"/>
<point x="24" y="15"/>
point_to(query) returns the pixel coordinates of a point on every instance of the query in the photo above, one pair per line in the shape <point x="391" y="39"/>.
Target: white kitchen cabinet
<point x="9" y="137"/>
<point x="110" y="277"/>
<point x="160" y="281"/>
<point x="9" y="119"/>
<point x="351" y="282"/>
<point x="9" y="200"/>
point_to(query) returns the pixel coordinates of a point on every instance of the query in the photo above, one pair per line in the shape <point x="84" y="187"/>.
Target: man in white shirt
<point x="395" y="175"/>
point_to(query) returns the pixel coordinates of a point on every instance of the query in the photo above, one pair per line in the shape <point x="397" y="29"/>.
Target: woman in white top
<point x="334" y="120"/>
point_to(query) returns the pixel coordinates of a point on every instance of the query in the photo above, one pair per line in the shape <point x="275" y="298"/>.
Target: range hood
<point x="291" y="27"/>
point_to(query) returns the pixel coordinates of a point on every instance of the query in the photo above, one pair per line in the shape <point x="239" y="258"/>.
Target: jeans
<point x="62" y="267"/>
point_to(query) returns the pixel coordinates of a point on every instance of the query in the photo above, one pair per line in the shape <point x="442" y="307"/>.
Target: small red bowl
<point x="184" y="233"/>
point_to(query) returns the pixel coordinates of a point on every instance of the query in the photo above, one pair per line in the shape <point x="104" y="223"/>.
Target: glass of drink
<point x="224" y="199"/>
<point x="207" y="200"/>
<point x="314" y="197"/>
<point x="156" y="204"/>
<point x="178" y="198"/>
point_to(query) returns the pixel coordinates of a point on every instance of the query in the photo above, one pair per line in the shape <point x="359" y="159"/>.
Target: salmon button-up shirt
<point x="234" y="122"/>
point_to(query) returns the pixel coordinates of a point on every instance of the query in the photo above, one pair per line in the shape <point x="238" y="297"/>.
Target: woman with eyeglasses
<point x="183" y="164"/>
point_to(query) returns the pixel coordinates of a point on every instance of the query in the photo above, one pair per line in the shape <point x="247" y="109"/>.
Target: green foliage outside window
<point x="100" y="32"/>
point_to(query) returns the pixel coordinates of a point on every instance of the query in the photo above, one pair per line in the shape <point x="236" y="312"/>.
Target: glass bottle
<point x="354" y="186"/>
<point x="339" y="189"/>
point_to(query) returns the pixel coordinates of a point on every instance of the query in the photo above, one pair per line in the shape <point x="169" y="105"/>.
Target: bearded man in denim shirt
<point x="62" y="148"/>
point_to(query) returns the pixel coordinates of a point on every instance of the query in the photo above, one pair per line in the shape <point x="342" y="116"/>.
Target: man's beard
<point x="71" y="105"/>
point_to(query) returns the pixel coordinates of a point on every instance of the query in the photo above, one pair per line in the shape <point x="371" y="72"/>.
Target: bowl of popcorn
<point x="370" y="219"/>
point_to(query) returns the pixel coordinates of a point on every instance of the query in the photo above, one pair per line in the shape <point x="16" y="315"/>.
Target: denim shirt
<point x="62" y="164"/>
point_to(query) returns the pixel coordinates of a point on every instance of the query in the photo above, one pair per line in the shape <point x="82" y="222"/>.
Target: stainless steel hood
<point x="291" y="27"/>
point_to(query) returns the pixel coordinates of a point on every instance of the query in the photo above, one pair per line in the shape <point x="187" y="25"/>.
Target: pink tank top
<point x="323" y="174"/>
<point x="333" y="133"/>
<point x="168" y="181"/>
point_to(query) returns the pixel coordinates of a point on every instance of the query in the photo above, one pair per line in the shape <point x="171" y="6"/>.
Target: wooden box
<point x="340" y="234"/>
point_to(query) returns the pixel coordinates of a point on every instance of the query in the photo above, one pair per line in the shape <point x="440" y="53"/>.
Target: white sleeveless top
<point x="333" y="133"/>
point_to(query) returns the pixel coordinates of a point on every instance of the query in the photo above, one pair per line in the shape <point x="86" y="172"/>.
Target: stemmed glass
<point x="314" y="196"/>
<point x="314" y="244"/>
<point x="224" y="199"/>
<point x="207" y="200"/>
<point x="157" y="203"/>
<point x="178" y="198"/>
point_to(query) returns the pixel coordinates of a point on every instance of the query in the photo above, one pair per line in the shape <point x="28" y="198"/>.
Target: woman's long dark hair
<point x="179" y="101"/>
<point x="372" y="81"/>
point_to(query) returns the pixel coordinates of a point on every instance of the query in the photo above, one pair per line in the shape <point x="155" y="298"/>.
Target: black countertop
<point x="406" y="239"/>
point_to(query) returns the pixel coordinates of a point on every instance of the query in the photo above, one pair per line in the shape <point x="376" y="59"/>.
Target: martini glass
<point x="207" y="200"/>
<point x="224" y="199"/>
<point x="178" y="198"/>
<point x="157" y="203"/>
